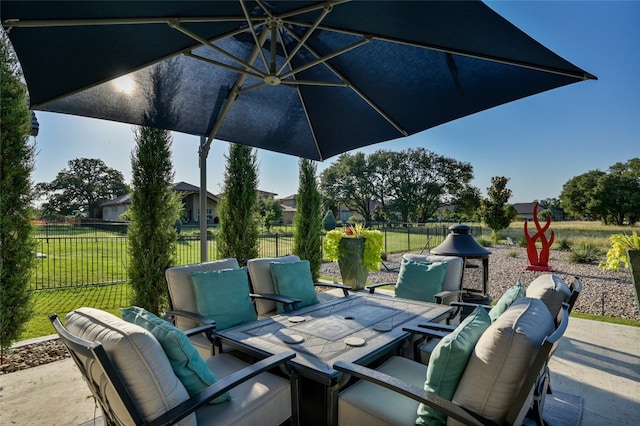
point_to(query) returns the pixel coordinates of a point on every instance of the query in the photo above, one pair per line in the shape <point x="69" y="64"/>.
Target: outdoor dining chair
<point x="213" y="291"/>
<point x="483" y="374"/>
<point x="135" y="377"/>
<point x="287" y="276"/>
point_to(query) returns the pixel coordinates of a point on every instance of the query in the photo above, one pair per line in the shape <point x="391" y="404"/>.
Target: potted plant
<point x="625" y="250"/>
<point x="357" y="250"/>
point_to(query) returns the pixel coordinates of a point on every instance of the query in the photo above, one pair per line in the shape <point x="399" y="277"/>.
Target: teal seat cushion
<point x="223" y="296"/>
<point x="420" y="280"/>
<point x="511" y="295"/>
<point x="293" y="279"/>
<point x="184" y="358"/>
<point x="449" y="360"/>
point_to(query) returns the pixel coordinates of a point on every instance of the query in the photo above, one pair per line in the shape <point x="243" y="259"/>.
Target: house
<point x="289" y="208"/>
<point x="190" y="197"/>
<point x="113" y="209"/>
<point x="525" y="211"/>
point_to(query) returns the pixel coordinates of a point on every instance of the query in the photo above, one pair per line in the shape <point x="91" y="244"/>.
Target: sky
<point x="539" y="142"/>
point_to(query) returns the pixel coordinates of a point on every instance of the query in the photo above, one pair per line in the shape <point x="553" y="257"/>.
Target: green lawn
<point x="91" y="254"/>
<point x="63" y="301"/>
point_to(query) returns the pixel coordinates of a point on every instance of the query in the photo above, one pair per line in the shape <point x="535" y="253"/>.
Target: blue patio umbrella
<point x="307" y="78"/>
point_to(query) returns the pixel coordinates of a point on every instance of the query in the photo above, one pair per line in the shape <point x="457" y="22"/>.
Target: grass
<point x="111" y="297"/>
<point x="611" y="320"/>
<point x="63" y="301"/>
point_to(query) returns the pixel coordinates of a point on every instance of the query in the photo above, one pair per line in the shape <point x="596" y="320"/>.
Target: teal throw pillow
<point x="420" y="280"/>
<point x="293" y="279"/>
<point x="511" y="295"/>
<point x="185" y="360"/>
<point x="449" y="360"/>
<point x="223" y="296"/>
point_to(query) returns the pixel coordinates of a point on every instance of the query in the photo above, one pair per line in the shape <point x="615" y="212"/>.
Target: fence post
<point x="277" y="251"/>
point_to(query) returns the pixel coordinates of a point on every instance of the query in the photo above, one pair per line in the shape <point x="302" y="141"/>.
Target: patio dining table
<point x="361" y="328"/>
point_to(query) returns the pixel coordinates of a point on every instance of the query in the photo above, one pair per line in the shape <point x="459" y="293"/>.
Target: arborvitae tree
<point x="307" y="238"/>
<point x="493" y="209"/>
<point x="329" y="221"/>
<point x="17" y="246"/>
<point x="239" y="220"/>
<point x="155" y="207"/>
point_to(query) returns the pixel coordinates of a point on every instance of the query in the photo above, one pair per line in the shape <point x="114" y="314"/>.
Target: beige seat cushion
<point x="552" y="290"/>
<point x="367" y="404"/>
<point x="501" y="358"/>
<point x="139" y="359"/>
<point x="263" y="400"/>
<point x="262" y="281"/>
<point x="181" y="289"/>
<point x="453" y="277"/>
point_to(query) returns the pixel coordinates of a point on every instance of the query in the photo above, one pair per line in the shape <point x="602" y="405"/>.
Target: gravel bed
<point x="605" y="292"/>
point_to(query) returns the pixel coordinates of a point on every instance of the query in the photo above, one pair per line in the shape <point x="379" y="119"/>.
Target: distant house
<point x="525" y="211"/>
<point x="289" y="208"/>
<point x="113" y="209"/>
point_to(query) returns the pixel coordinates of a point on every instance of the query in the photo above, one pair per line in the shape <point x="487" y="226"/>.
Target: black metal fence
<point x="79" y="255"/>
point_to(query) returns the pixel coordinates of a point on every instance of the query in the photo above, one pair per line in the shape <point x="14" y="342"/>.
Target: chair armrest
<point x="426" y="332"/>
<point x="447" y="294"/>
<point x="208" y="325"/>
<point x="471" y="305"/>
<point x="372" y="287"/>
<point x="288" y="302"/>
<point x="418" y="394"/>
<point x="182" y="410"/>
<point x="192" y="316"/>
<point x="345" y="288"/>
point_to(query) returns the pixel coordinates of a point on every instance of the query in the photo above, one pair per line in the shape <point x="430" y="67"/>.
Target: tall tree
<point x="86" y="184"/>
<point x="307" y="238"/>
<point x="493" y="209"/>
<point x="155" y="207"/>
<point x="17" y="246"/>
<point x="347" y="183"/>
<point x="239" y="223"/>
<point x="577" y="196"/>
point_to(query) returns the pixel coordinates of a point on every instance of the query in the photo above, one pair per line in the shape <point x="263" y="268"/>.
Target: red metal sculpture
<point x="541" y="262"/>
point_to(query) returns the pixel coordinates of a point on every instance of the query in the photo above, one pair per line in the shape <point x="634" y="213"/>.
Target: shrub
<point x="513" y="253"/>
<point x="329" y="221"/>
<point x="584" y="253"/>
<point x="307" y="238"/>
<point x="484" y="242"/>
<point x="155" y="209"/>
<point x="564" y="244"/>
<point x="17" y="245"/>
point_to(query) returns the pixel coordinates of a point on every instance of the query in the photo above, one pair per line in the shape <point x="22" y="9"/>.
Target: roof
<point x="178" y="187"/>
<point x="123" y="199"/>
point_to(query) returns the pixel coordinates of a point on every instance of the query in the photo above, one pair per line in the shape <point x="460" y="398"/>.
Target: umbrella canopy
<point x="307" y="78"/>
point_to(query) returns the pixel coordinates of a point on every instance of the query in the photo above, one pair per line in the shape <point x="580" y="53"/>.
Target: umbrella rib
<point x="205" y="42"/>
<point x="232" y="95"/>
<point x="253" y="32"/>
<point x="327" y="57"/>
<point x="225" y="66"/>
<point x="582" y="75"/>
<point x="356" y="90"/>
<point x="325" y="11"/>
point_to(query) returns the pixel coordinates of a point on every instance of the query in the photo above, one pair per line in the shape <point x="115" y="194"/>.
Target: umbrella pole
<point x="205" y="144"/>
<point x="202" y="155"/>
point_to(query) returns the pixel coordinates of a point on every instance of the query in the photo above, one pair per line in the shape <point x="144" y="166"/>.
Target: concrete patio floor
<point x="598" y="361"/>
